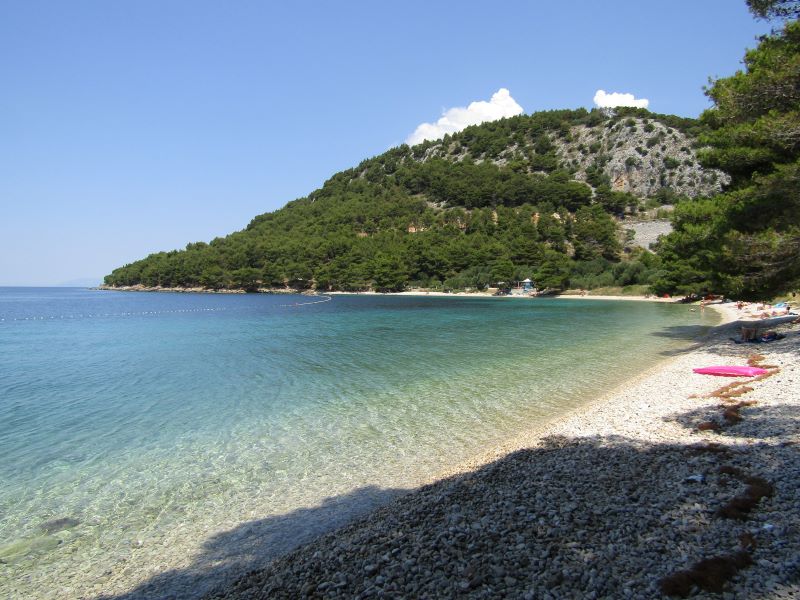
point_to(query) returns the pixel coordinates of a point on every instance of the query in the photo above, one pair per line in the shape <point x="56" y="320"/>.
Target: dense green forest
<point x="746" y="241"/>
<point x="401" y="219"/>
<point x="502" y="201"/>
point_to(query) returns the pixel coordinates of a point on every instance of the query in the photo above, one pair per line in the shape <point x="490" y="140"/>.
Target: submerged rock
<point x="59" y="524"/>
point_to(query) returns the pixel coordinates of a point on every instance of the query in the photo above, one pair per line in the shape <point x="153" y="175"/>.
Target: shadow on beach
<point x="252" y="544"/>
<point x="565" y="519"/>
<point x="696" y="334"/>
<point x="773" y="422"/>
<point x="719" y="339"/>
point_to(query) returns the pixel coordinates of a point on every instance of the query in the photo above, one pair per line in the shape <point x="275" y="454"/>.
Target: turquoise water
<point x="154" y="425"/>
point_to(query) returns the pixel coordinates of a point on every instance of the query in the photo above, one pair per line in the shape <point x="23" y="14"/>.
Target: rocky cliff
<point x="637" y="154"/>
<point x="640" y="156"/>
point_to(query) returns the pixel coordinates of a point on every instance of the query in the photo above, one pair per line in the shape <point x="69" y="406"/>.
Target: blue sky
<point x="132" y="127"/>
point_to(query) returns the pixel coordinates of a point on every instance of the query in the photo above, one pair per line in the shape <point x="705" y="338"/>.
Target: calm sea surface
<point x="156" y="441"/>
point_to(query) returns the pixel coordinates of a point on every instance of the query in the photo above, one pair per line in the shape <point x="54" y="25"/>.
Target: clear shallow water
<point x="159" y="423"/>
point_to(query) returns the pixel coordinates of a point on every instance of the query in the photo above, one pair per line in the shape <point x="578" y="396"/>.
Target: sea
<point x="156" y="445"/>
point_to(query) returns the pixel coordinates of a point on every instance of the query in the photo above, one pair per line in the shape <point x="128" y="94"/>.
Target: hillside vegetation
<point x="542" y="196"/>
<point x="746" y="241"/>
<point x="536" y="196"/>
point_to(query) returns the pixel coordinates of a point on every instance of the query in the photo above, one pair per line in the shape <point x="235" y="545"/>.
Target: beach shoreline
<point x="656" y="412"/>
<point x="432" y="294"/>
<point x="536" y="432"/>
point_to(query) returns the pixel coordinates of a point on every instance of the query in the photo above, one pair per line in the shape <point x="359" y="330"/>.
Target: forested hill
<point x="539" y="196"/>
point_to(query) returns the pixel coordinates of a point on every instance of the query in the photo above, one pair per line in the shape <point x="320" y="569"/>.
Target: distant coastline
<point x="185" y="290"/>
<point x="417" y="292"/>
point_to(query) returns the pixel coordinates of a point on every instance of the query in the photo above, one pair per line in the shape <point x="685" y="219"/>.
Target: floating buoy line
<point x="324" y="299"/>
<point x="146" y="313"/>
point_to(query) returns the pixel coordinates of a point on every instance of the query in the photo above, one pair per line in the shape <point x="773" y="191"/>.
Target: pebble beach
<point x="674" y="484"/>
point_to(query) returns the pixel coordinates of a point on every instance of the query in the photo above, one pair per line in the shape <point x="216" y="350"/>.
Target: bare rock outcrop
<point x="639" y="156"/>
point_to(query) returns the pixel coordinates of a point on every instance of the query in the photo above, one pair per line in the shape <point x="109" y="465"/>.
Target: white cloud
<point x="614" y="99"/>
<point x="455" y="119"/>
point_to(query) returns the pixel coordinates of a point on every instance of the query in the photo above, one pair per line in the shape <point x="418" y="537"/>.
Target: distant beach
<point x="430" y="293"/>
<point x="572" y="296"/>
